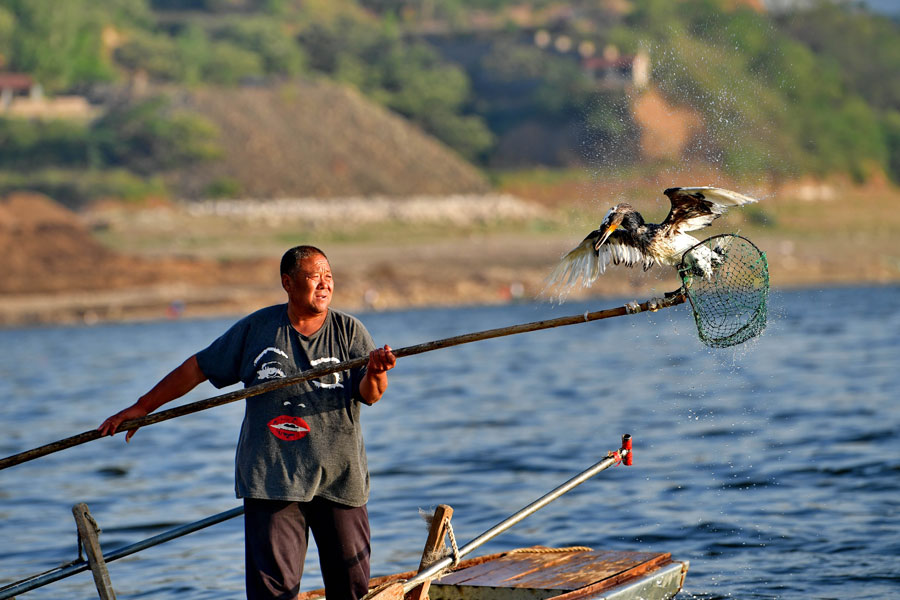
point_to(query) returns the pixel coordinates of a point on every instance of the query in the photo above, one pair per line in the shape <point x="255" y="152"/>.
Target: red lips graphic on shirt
<point x="289" y="429"/>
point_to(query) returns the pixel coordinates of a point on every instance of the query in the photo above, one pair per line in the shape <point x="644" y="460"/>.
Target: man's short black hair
<point x="292" y="258"/>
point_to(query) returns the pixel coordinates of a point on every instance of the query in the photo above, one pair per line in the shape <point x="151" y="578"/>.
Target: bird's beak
<point x="606" y="230"/>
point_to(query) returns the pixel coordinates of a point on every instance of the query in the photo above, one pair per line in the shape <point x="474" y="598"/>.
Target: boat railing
<point x="96" y="561"/>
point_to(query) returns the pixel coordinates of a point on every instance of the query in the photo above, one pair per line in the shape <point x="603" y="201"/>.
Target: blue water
<point x="773" y="467"/>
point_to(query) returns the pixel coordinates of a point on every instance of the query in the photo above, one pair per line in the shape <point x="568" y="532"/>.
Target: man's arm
<point x="174" y="385"/>
<point x="373" y="385"/>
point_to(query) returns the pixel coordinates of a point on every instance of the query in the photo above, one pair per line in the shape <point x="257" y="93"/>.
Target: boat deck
<point x="564" y="575"/>
<point x="551" y="573"/>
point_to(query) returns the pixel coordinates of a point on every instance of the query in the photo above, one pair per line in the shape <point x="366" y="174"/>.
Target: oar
<point x="671" y="299"/>
<point x="396" y="590"/>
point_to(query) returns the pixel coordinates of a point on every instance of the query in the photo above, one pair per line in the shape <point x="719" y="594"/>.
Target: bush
<point x="26" y="145"/>
<point x="224" y="187"/>
<point x="408" y="78"/>
<point x="79" y="188"/>
<point x="279" y="53"/>
<point x="151" y="136"/>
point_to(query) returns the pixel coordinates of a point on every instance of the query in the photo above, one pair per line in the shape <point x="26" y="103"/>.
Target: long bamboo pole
<point x="186" y="409"/>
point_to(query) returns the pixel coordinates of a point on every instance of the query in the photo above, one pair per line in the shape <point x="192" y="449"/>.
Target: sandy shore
<point x="479" y="270"/>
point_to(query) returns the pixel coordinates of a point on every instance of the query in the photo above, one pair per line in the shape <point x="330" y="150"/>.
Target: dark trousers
<point x="276" y="536"/>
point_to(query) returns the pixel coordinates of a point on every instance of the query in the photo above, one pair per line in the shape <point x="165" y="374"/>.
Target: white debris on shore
<point x="315" y="212"/>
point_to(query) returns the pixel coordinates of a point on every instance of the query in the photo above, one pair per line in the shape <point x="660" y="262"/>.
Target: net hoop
<point x="726" y="280"/>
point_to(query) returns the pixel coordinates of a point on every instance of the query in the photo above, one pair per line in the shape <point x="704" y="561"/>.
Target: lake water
<point x="773" y="467"/>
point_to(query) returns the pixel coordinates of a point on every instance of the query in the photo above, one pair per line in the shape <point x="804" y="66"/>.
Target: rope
<point x="545" y="550"/>
<point x="453" y="545"/>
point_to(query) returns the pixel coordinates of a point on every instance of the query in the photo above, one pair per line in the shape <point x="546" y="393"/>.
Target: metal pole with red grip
<point x="626" y="449"/>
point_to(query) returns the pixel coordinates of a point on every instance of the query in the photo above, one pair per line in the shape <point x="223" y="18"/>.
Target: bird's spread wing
<point x="585" y="264"/>
<point x="697" y="207"/>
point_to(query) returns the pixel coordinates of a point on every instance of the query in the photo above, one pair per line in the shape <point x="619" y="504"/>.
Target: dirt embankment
<point x="53" y="270"/>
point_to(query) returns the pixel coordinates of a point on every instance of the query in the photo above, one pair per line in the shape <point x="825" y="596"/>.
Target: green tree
<point x="152" y="136"/>
<point x="865" y="46"/>
<point x="59" y="43"/>
<point x="408" y="78"/>
<point x="27" y="145"/>
<point x="279" y="53"/>
<point x="194" y="51"/>
<point x="891" y="124"/>
<point x="155" y="54"/>
<point x="228" y="64"/>
<point x="768" y="101"/>
<point x="7" y="29"/>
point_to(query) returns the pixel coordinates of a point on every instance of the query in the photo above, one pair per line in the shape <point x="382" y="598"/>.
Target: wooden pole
<point x="88" y="534"/>
<point x="671" y="299"/>
<point x="433" y="545"/>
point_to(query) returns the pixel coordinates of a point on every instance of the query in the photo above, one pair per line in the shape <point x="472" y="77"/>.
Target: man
<point x="300" y="462"/>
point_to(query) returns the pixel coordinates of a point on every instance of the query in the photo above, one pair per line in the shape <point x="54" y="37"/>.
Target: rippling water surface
<point x="773" y="467"/>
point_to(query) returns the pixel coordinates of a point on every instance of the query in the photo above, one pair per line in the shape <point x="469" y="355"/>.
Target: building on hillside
<point x="17" y="85"/>
<point x="610" y="69"/>
<point x="613" y="69"/>
<point x="21" y="96"/>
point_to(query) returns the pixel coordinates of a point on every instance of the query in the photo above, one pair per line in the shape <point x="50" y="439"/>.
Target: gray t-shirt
<point x="304" y="440"/>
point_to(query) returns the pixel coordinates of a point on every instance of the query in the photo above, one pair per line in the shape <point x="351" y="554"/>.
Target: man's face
<point x="311" y="286"/>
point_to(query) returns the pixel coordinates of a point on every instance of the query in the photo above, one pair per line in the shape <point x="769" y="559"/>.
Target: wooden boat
<point x="522" y="574"/>
<point x="549" y="573"/>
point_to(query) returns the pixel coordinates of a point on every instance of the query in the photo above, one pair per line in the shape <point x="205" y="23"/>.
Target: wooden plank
<point x="496" y="570"/>
<point x="435" y="542"/>
<point x="87" y="532"/>
<point x="552" y="571"/>
<point x="590" y="591"/>
<point x="584" y="569"/>
<point x="467" y="592"/>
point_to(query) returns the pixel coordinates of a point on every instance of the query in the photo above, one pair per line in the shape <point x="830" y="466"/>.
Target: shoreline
<point x="49" y="310"/>
<point x="158" y="263"/>
<point x="172" y="301"/>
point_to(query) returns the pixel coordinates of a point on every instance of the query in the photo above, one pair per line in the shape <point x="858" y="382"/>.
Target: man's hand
<point x="373" y="385"/>
<point x="110" y="425"/>
<point x="174" y="385"/>
<point x="381" y="360"/>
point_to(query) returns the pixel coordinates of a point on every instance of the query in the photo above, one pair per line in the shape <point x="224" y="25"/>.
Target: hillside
<point x="806" y="90"/>
<point x="317" y="139"/>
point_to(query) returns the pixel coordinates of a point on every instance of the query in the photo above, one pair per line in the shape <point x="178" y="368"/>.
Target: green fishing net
<point x="726" y="280"/>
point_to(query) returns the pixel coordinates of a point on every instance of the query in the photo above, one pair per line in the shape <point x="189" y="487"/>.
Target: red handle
<point x="626" y="445"/>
